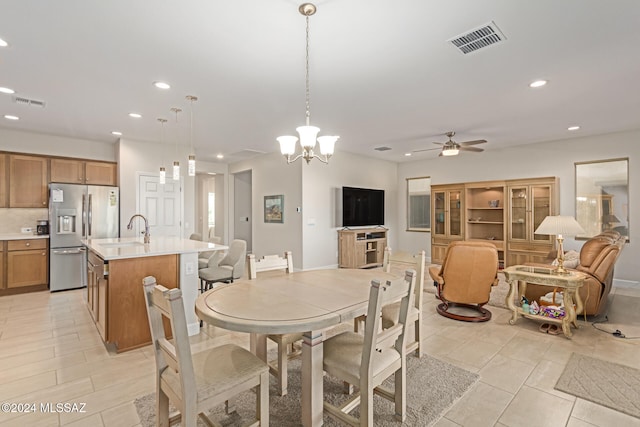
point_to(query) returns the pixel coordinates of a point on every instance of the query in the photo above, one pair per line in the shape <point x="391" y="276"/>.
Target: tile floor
<point x="51" y="352"/>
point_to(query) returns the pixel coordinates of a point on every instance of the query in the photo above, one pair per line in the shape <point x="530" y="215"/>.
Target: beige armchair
<point x="195" y="383"/>
<point x="468" y="272"/>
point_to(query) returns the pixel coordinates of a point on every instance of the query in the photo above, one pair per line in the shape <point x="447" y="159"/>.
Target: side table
<point x="569" y="283"/>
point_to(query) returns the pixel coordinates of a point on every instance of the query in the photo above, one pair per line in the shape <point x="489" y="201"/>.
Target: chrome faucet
<point x="147" y="236"/>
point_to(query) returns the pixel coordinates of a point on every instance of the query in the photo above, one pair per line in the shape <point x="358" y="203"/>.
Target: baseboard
<point x="620" y="283"/>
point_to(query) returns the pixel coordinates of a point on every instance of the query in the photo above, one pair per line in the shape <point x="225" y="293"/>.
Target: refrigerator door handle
<point x="68" y="252"/>
<point x="89" y="215"/>
<point x="84" y="216"/>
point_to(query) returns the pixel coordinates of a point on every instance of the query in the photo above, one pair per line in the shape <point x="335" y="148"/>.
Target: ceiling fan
<point x="452" y="148"/>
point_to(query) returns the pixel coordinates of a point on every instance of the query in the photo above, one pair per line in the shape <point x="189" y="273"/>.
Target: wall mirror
<point x="602" y="196"/>
<point x="419" y="204"/>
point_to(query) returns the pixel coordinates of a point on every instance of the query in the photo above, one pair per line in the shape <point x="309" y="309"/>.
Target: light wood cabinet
<point x="100" y="173"/>
<point x="28" y="179"/>
<point x="2" y="282"/>
<point x="505" y="213"/>
<point x="447" y="218"/>
<point x="530" y="202"/>
<point x="27" y="263"/>
<point x="361" y="248"/>
<point x="76" y="171"/>
<point x="485" y="214"/>
<point x="97" y="293"/>
<point x="4" y="179"/>
<point x="67" y="170"/>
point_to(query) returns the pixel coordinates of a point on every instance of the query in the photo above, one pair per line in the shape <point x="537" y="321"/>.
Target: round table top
<point x="287" y="303"/>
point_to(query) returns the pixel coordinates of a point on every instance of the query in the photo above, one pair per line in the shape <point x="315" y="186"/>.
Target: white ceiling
<point x="382" y="72"/>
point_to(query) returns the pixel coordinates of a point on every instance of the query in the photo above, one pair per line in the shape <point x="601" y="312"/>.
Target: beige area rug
<point x="433" y="387"/>
<point x="609" y="384"/>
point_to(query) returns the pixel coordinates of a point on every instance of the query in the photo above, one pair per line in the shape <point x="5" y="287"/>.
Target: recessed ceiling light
<point x="116" y="133"/>
<point x="162" y="85"/>
<point x="407" y="154"/>
<point x="7" y="90"/>
<point x="135" y="115"/>
<point x="573" y="128"/>
<point x="3" y="43"/>
<point x="538" y="83"/>
<point x="220" y="156"/>
<point x="10" y="117"/>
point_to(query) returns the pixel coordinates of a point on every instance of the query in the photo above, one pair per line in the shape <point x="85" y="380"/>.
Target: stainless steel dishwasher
<point x="67" y="268"/>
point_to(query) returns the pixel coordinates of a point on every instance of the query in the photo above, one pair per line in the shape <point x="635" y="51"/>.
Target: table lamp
<point x="560" y="225"/>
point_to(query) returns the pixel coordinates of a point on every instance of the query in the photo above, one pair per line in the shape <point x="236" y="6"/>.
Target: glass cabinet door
<point x="540" y="209"/>
<point x="455" y="213"/>
<point x="519" y="217"/>
<point x="439" y="213"/>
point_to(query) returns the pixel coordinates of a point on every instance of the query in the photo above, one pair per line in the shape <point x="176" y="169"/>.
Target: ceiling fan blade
<point x="475" y="142"/>
<point x="426" y="149"/>
<point x="475" y="149"/>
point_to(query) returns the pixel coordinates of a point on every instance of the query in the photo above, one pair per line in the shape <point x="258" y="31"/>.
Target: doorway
<point x="242" y="208"/>
<point x="161" y="204"/>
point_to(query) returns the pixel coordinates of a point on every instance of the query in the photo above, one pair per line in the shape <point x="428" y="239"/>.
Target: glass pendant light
<point x="176" y="163"/>
<point x="192" y="157"/>
<point x="163" y="171"/>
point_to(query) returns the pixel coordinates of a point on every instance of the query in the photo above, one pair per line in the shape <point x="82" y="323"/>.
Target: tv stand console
<point x="362" y="247"/>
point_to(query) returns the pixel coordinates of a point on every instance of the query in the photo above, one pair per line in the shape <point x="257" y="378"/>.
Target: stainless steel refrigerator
<point x="78" y="212"/>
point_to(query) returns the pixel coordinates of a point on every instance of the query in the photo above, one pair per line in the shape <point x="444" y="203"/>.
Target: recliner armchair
<point x="468" y="272"/>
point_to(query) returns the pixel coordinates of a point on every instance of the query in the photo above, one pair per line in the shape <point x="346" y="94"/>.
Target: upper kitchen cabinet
<point x="74" y="171"/>
<point x="100" y="173"/>
<point x="3" y="180"/>
<point x="27" y="181"/>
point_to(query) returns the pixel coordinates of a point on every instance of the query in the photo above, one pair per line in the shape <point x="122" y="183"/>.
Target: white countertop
<point x="133" y="247"/>
<point x="20" y="236"/>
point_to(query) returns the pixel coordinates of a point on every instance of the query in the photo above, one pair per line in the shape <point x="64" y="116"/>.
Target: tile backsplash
<point x="12" y="220"/>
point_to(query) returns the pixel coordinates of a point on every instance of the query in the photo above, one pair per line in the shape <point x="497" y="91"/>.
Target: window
<point x="419" y="204"/>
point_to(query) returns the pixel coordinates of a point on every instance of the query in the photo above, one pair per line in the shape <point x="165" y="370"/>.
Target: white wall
<point x="321" y="202"/>
<point x="38" y="143"/>
<point x="554" y="158"/>
<point x="272" y="176"/>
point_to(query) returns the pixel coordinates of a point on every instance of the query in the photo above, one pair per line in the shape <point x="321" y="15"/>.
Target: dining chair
<point x="285" y="342"/>
<point x="195" y="236"/>
<point x="204" y="257"/>
<point x="195" y="383"/>
<point x="227" y="269"/>
<point x="367" y="360"/>
<point x="390" y="312"/>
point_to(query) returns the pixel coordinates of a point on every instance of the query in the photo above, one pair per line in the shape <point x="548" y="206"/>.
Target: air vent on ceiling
<point x="27" y="101"/>
<point x="382" y="148"/>
<point x="478" y="38"/>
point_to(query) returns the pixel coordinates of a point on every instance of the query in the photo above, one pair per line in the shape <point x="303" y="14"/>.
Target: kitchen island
<point x="115" y="296"/>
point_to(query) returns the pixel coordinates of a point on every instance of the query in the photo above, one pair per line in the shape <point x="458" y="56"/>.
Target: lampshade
<point x="327" y="144"/>
<point x="559" y="225"/>
<point x="308" y="136"/>
<point x="450" y="151"/>
<point x="287" y="144"/>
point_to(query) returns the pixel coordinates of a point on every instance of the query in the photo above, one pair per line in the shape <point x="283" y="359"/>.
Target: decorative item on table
<point x="552" y="298"/>
<point x="525" y="304"/>
<point x="560" y="225"/>
<point x="494" y="203"/>
<point x="534" y="308"/>
<point x="552" y="311"/>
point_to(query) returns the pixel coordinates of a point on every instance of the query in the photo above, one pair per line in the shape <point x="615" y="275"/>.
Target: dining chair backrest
<point x="236" y="257"/>
<point x="402" y="261"/>
<point x="176" y="354"/>
<point x="270" y="263"/>
<point x="195" y="236"/>
<point x="376" y="339"/>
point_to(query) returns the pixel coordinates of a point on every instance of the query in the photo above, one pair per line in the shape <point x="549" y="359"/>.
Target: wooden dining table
<point x="305" y="301"/>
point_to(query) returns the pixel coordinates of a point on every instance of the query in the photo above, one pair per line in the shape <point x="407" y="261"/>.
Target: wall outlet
<point x="26" y="230"/>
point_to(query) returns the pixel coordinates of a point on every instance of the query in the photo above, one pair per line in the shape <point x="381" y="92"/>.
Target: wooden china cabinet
<point x="447" y="214"/>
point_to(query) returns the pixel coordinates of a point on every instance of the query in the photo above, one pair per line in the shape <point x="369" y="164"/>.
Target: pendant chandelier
<point x="191" y="167"/>
<point x="307" y="133"/>
<point x="163" y="171"/>
<point x="176" y="163"/>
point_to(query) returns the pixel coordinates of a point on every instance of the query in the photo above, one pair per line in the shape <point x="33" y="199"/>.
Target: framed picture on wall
<point x="274" y="209"/>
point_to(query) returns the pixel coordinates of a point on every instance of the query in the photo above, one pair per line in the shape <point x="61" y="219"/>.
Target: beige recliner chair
<point x="468" y="272"/>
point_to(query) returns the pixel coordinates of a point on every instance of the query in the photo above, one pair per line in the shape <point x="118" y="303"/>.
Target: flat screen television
<point x="362" y="206"/>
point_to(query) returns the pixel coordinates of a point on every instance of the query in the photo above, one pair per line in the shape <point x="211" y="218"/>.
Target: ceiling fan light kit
<point x="453" y="148"/>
